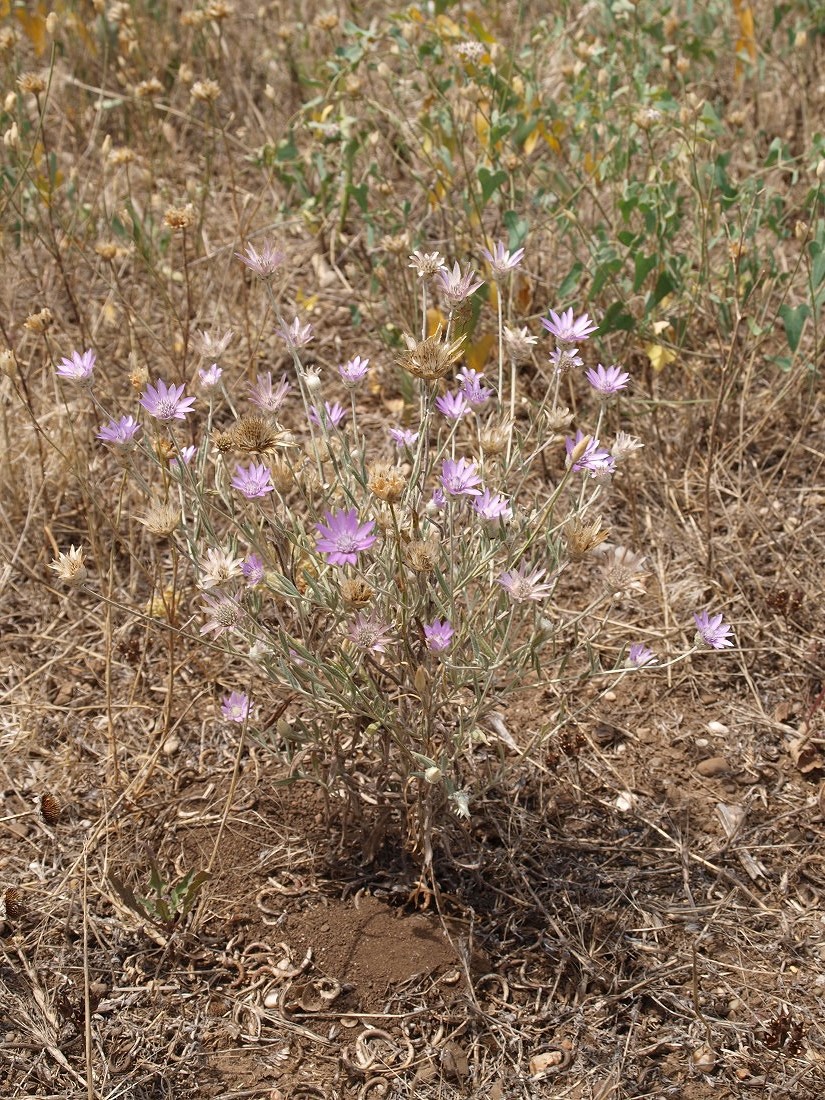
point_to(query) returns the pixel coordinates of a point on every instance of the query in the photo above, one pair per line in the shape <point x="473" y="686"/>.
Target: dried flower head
<point x="421" y="556"/>
<point x="625" y="445"/>
<point x="39" y="322"/>
<point x="356" y="592"/>
<point x="387" y="482"/>
<point x="582" y="538"/>
<point x="518" y="344"/>
<point x="219" y="568"/>
<point x="212" y="347"/>
<point x="50" y="807"/>
<point x="558" y="419"/>
<point x="431" y="358"/>
<point x="70" y="567"/>
<point x="162" y="518"/>
<point x="255" y="435"/>
<point x="395" y="244"/>
<point x="624" y="573"/>
<point x="494" y="438"/>
<point x="224" y="441"/>
<point x="426" y="263"/>
<point x="205" y="91"/>
<point x="218" y="10"/>
<point x="122" y="155"/>
<point x="32" y="83"/>
<point x="179" y="218"/>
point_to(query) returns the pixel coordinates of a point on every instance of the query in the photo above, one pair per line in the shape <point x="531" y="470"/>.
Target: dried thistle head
<point x="430" y="359"/>
<point x="224" y="441"/>
<point x="179" y="217"/>
<point x="122" y="155"/>
<point x="304" y="568"/>
<point x="495" y="437"/>
<point x="33" y="83"/>
<point x="148" y="88"/>
<point x="421" y="556"/>
<point x="386" y="482"/>
<point x="558" y="419"/>
<point x="624" y="573"/>
<point x="205" y="91"/>
<point x="583" y="537"/>
<point x="219" y="10"/>
<point x="355" y="592"/>
<point x="282" y="476"/>
<point x="70" y="567"/>
<point x="39" y="322"/>
<point x="164" y="449"/>
<point x="255" y="435"/>
<point x="161" y="519"/>
<point x="138" y="377"/>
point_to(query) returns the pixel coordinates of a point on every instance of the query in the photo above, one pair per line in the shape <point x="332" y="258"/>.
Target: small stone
<point x="171" y="745"/>
<point x="717" y="727"/>
<point x="713" y="766"/>
<point x="704" y="1059"/>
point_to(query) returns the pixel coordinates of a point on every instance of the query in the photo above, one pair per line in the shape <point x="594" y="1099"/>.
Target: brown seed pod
<point x="50" y="808"/>
<point x="13" y="902"/>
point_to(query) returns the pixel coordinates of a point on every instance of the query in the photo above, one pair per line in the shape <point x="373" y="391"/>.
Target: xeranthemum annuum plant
<point x="400" y="587"/>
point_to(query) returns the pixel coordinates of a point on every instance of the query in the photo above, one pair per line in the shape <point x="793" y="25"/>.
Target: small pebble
<point x="702" y="742"/>
<point x="713" y="766"/>
<point x="717" y="727"/>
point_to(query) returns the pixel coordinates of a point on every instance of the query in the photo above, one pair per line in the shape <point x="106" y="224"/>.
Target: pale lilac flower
<point x="459" y="477"/>
<point x="492" y="506"/>
<point x="471" y="386"/>
<point x="236" y="707"/>
<point x="369" y="634"/>
<point x="564" y="359"/>
<point x="219" y="568"/>
<point x="120" y="433"/>
<point x="166" y="402"/>
<point x="439" y="635"/>
<point x="518" y="343"/>
<point x="438" y="500"/>
<point x="426" y="263"/>
<point x="266" y="397"/>
<point x="568" y="330"/>
<point x="453" y="405"/>
<point x="252" y="568"/>
<point x="404" y="437"/>
<point x="458" y="286"/>
<point x="329" y="416"/>
<point x="342" y="538"/>
<point x="209" y="376"/>
<point x="226" y="614"/>
<point x="185" y="457"/>
<point x="253" y="481"/>
<point x="212" y="347"/>
<point x="264" y="263"/>
<point x="501" y="261"/>
<point x="354" y="371"/>
<point x="625" y="445"/>
<point x="640" y="655"/>
<point x="713" y="631"/>
<point x="77" y="368"/>
<point x="607" y="380"/>
<point x="520" y="586"/>
<point x="592" y="459"/>
<point x="296" y="335"/>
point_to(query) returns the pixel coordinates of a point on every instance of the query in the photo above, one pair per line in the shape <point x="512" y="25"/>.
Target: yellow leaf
<point x="532" y="140"/>
<point x="482" y="127"/>
<point x="479" y="31"/>
<point x="308" y="301"/>
<point x="659" y="356"/>
<point x="435" y="318"/>
<point x="5" y="8"/>
<point x="477" y="353"/>
<point x="746" y="42"/>
<point x="34" y="26"/>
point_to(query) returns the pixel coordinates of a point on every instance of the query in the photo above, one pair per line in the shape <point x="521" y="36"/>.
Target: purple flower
<point x="640" y="655"/>
<point x="438" y="500"/>
<point x="568" y="330"/>
<point x="472" y="389"/>
<point x="185" y="457"/>
<point x="369" y="634"/>
<point x="296" y="335"/>
<point x="209" y="376"/>
<point x="252" y="568"/>
<point x="607" y="380"/>
<point x="439" y="635"/>
<point x="459" y="477"/>
<point x="404" y="437"/>
<point x="492" y="506"/>
<point x="166" y="402"/>
<point x="236" y="707"/>
<point x="564" y="359"/>
<point x="713" y="631"/>
<point x="520" y="587"/>
<point x="354" y="371"/>
<point x="457" y="285"/>
<point x="453" y="405"/>
<point x="253" y="481"/>
<point x="264" y="263"/>
<point x="77" y="368"/>
<point x="500" y="259"/>
<point x="264" y="396"/>
<point x="592" y="459"/>
<point x="341" y="537"/>
<point x="329" y="416"/>
<point x="120" y="433"/>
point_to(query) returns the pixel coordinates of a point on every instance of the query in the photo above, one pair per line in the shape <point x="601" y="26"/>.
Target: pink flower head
<point x="77" y="368"/>
<point x="253" y="481"/>
<point x="209" y="376"/>
<point x="458" y="285"/>
<point x="501" y="260"/>
<point x="607" y="380"/>
<point x="713" y="631"/>
<point x="342" y="538"/>
<point x="120" y="433"/>
<point x="330" y="416"/>
<point x="520" y="586"/>
<point x="471" y="387"/>
<point x="438" y="635"/>
<point x="639" y="655"/>
<point x="225" y="613"/>
<point x="564" y="359"/>
<point x="264" y="263"/>
<point x="236" y="707"/>
<point x="568" y="330"/>
<point x="404" y="437"/>
<point x="492" y="506"/>
<point x="369" y="634"/>
<point x="592" y="459"/>
<point x="252" y="568"/>
<point x="354" y="371"/>
<point x="266" y="397"/>
<point x="459" y="477"/>
<point x="166" y="402"/>
<point x="453" y="405"/>
<point x="295" y="335"/>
